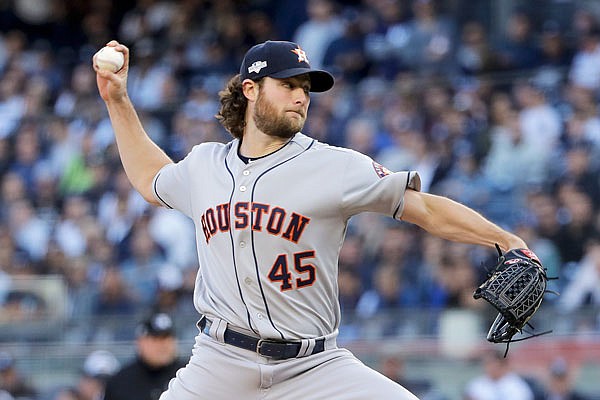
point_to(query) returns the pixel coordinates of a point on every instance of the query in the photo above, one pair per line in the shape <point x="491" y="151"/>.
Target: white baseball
<point x="110" y="59"/>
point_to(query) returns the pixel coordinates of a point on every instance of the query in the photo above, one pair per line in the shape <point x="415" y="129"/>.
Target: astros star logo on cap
<point x="282" y="60"/>
<point x="301" y="55"/>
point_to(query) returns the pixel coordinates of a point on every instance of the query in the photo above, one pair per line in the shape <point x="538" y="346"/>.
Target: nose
<point x="300" y="96"/>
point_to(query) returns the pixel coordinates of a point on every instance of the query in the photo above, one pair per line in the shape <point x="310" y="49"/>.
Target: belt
<point x="273" y="349"/>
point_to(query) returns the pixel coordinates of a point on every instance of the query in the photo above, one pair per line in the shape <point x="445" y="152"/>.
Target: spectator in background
<point x="322" y="27"/>
<point x="421" y="156"/>
<point x="13" y="261"/>
<point x="354" y="256"/>
<point x="394" y="367"/>
<point x="114" y="298"/>
<point x="371" y="96"/>
<point x="474" y="54"/>
<point x="583" y="21"/>
<point x="78" y="175"/>
<point x="81" y="292"/>
<point x="402" y="122"/>
<point x="578" y="226"/>
<point x="76" y="222"/>
<point x="582" y="120"/>
<point x="12" y="101"/>
<point x="149" y="79"/>
<point x="455" y="279"/>
<point x="390" y="293"/>
<point x="28" y="160"/>
<point x="350" y="289"/>
<point x="386" y="36"/>
<point x="30" y="232"/>
<point x="544" y="210"/>
<point x="559" y="384"/>
<point x="77" y="98"/>
<point x="583" y="287"/>
<point x="512" y="160"/>
<point x="361" y="135"/>
<point x="260" y="26"/>
<point x="47" y="199"/>
<point x="465" y="182"/>
<point x="431" y="40"/>
<point x="585" y="68"/>
<point x="148" y="18"/>
<point x="98" y="367"/>
<point x="141" y="268"/>
<point x="540" y="123"/>
<point x="395" y="244"/>
<point x="498" y="381"/>
<point x="345" y="56"/>
<point x="12" y="190"/>
<point x="167" y="229"/>
<point x="578" y="168"/>
<point x="556" y="53"/>
<point x="168" y="295"/>
<point x="517" y="50"/>
<point x="156" y="362"/>
<point x="12" y="380"/>
<point x="436" y="98"/>
<point x="119" y="207"/>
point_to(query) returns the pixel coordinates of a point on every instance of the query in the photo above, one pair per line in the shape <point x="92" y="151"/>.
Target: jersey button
<point x="242" y="188"/>
<point x="242" y="244"/>
<point x="246" y="172"/>
<point x="248" y="281"/>
<point x="259" y="316"/>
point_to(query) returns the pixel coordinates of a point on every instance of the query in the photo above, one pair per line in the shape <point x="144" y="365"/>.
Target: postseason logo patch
<point x="257" y="66"/>
<point x="380" y="170"/>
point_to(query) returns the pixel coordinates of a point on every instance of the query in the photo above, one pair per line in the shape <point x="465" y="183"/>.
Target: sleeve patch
<point x="380" y="170"/>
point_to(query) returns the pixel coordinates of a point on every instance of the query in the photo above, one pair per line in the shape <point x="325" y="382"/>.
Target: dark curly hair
<point x="233" y="107"/>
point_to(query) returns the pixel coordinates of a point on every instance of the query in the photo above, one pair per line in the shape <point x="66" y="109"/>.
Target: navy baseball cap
<point x="280" y="59"/>
<point x="159" y="324"/>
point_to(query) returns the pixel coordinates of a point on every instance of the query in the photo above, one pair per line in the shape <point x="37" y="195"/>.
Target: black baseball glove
<point x="515" y="287"/>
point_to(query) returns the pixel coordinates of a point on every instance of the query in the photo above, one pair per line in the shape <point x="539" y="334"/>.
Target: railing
<point x="448" y="362"/>
<point x="439" y="344"/>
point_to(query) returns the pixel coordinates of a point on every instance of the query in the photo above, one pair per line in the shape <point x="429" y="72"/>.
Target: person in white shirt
<point x="498" y="381"/>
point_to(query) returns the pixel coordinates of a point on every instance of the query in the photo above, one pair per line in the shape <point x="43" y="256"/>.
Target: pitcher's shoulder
<point x="211" y="148"/>
<point x="336" y="151"/>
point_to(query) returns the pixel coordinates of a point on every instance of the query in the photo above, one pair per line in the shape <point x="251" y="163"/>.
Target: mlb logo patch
<point x="380" y="170"/>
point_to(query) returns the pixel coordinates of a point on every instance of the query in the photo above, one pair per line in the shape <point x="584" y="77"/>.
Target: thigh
<point x="217" y="372"/>
<point x="336" y="374"/>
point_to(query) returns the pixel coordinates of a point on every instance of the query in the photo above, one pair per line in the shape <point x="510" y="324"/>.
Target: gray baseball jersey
<point x="269" y="231"/>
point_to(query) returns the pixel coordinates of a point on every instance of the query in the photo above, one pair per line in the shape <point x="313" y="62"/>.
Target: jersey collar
<point x="297" y="144"/>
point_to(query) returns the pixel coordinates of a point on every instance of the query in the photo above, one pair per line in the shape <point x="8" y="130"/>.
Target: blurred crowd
<point x="145" y="374"/>
<point x="504" y="121"/>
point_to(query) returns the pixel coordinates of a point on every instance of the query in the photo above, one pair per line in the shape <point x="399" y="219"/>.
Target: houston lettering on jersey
<point x="275" y="220"/>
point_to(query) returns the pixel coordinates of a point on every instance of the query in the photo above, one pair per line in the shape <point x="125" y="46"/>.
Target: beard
<point x="271" y="123"/>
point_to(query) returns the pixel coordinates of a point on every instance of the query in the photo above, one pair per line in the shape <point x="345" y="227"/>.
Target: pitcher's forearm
<point x="470" y="227"/>
<point x="453" y="221"/>
<point x="141" y="157"/>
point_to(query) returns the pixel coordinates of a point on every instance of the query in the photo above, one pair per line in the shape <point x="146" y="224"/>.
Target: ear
<point x="250" y="89"/>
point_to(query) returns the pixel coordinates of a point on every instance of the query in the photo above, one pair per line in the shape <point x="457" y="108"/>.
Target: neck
<point x="257" y="144"/>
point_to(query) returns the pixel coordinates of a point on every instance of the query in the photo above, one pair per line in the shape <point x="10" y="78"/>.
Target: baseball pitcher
<point x="271" y="209"/>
